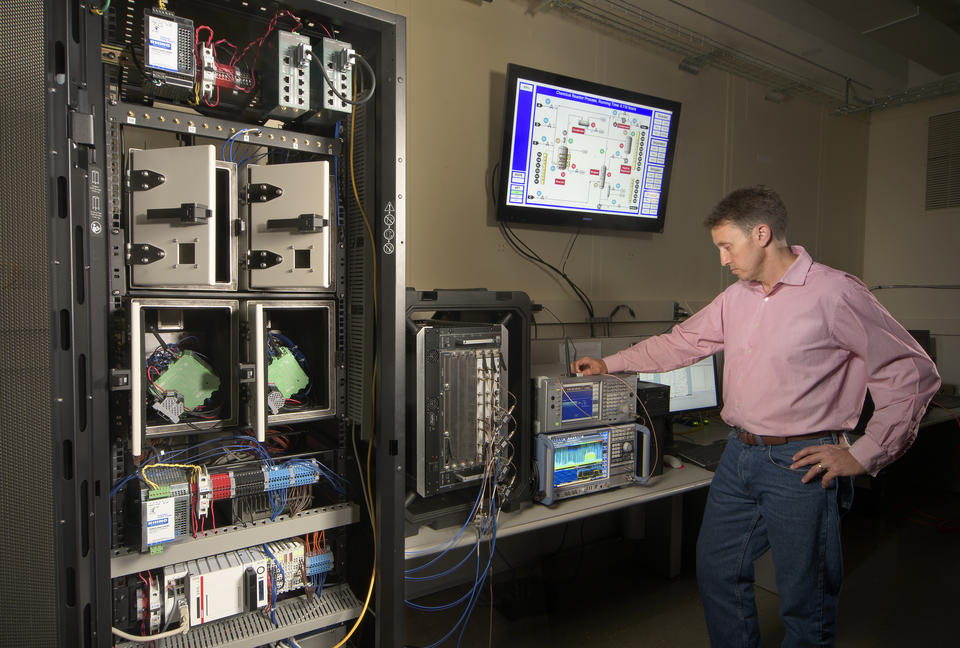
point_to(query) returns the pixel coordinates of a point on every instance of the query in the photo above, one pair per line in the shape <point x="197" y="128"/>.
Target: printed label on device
<point x="160" y="521"/>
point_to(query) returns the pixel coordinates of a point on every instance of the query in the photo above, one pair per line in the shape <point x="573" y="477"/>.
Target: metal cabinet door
<point x="172" y="224"/>
<point x="290" y="228"/>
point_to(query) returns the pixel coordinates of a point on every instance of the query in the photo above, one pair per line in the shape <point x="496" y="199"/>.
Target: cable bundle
<point x="497" y="481"/>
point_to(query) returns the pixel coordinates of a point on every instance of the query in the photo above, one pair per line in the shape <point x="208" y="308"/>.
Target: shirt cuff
<point x="869" y="454"/>
<point x="615" y="363"/>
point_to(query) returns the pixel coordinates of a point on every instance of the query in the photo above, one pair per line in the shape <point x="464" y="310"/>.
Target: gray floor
<point x="902" y="585"/>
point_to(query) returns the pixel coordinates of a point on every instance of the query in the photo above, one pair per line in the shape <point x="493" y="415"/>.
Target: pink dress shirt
<point x="800" y="358"/>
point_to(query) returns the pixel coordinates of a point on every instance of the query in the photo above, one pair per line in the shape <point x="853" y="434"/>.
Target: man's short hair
<point x="751" y="206"/>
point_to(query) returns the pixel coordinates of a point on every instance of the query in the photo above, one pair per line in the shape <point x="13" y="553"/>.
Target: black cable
<point x="569" y="251"/>
<point x="136" y="61"/>
<point x="563" y="327"/>
<point x="927" y="286"/>
<point x="532" y="255"/>
<point x="200" y="429"/>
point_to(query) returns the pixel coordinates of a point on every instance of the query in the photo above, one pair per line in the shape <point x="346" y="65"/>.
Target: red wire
<point x="224" y="41"/>
<point x="215" y="103"/>
<point x="155" y="385"/>
<point x="146" y="603"/>
<point x="196" y="36"/>
<point x="237" y="57"/>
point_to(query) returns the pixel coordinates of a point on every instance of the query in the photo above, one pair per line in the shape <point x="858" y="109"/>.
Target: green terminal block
<point x="155" y="549"/>
<point x="158" y="493"/>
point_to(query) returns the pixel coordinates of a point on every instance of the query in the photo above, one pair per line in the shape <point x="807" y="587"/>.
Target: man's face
<point x="739" y="250"/>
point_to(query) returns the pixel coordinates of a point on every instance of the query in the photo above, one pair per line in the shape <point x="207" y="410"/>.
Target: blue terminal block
<point x="303" y="474"/>
<point x="290" y="475"/>
<point x="319" y="563"/>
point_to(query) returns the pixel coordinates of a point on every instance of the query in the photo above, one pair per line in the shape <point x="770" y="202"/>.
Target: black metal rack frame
<point x="72" y="300"/>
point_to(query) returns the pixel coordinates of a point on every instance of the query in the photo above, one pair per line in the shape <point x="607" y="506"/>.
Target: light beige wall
<point x="729" y="136"/>
<point x="904" y="243"/>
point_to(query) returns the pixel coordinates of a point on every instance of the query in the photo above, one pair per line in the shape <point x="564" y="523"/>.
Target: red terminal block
<point x="221" y="486"/>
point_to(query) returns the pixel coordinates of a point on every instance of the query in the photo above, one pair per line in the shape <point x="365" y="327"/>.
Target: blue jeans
<point x="757" y="502"/>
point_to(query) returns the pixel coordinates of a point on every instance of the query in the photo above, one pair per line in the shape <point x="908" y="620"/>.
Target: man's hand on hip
<point x="827" y="462"/>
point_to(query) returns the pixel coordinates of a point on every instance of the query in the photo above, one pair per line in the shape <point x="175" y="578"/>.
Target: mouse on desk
<point x="673" y="462"/>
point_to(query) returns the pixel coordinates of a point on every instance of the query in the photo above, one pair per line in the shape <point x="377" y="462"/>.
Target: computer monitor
<point x="691" y="388"/>
<point x="582" y="154"/>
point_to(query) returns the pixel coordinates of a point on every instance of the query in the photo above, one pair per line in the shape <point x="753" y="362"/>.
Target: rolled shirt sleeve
<point x="690" y="341"/>
<point x="901" y="377"/>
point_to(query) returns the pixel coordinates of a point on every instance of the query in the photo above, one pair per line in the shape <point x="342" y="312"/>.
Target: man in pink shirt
<point x="802" y="343"/>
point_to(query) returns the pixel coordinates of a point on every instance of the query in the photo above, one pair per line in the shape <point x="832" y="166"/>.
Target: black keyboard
<point x="705" y="456"/>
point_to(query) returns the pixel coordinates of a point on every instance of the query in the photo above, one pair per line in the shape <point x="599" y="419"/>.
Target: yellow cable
<point x="373" y="385"/>
<point x="143" y="471"/>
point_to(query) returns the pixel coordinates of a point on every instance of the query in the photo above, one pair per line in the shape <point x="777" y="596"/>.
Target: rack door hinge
<point x="143" y="253"/>
<point x="263" y="259"/>
<point x="145" y="179"/>
<point x="261" y="192"/>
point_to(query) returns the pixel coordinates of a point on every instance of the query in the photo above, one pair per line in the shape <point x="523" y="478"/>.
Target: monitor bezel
<point x="717" y="387"/>
<point x="506" y="213"/>
<point x="717" y="390"/>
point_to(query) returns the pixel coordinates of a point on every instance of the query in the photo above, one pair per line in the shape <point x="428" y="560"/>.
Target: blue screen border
<point x="559" y="217"/>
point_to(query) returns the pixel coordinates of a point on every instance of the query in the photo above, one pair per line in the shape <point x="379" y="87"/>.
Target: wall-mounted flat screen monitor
<point x="582" y="154"/>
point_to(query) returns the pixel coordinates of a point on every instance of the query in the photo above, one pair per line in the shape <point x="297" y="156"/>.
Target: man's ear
<point x="762" y="234"/>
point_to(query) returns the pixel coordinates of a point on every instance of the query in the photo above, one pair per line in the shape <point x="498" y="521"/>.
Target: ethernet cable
<point x="356" y="101"/>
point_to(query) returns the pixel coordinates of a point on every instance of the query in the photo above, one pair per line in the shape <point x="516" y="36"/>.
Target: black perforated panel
<point x="359" y="276"/>
<point x="27" y="601"/>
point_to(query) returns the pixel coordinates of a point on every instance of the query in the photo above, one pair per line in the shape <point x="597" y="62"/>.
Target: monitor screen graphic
<point x="579" y="153"/>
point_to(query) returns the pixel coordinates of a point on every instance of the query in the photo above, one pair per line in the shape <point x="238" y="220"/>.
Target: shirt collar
<point x="796" y="274"/>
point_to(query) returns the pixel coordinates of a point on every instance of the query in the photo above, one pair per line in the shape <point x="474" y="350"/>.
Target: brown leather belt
<point x="750" y="438"/>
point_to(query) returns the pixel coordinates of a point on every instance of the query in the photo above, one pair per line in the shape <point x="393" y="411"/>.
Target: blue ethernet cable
<point x="475" y="594"/>
<point x="445" y="572"/>
<point x="448" y="546"/>
<point x="232" y="141"/>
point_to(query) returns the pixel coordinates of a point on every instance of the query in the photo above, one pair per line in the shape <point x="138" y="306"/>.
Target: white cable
<point x="183" y="629"/>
